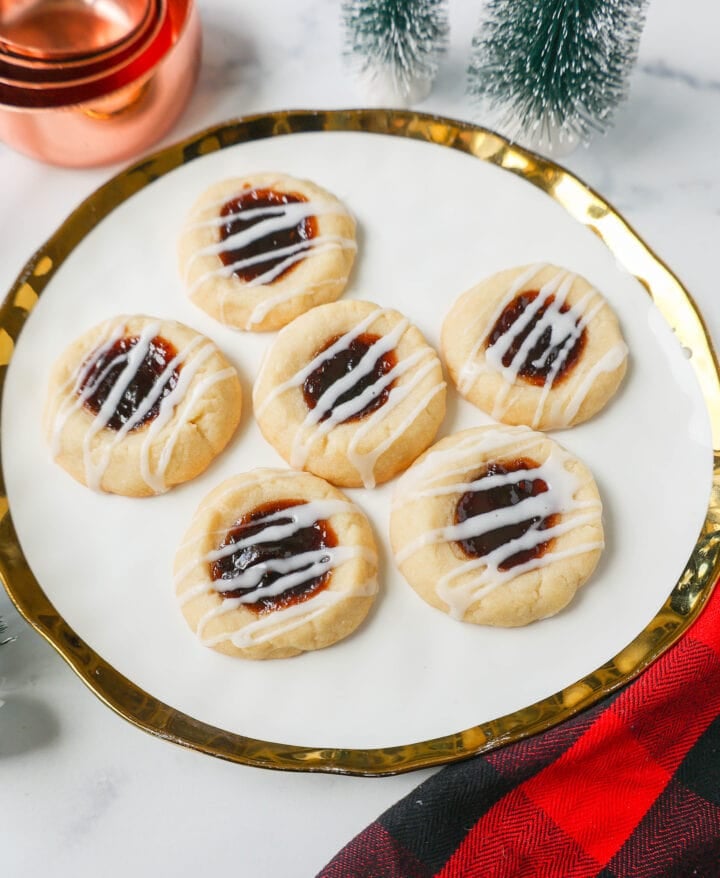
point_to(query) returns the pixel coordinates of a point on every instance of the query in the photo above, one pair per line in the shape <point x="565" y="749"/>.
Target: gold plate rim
<point x="683" y="605"/>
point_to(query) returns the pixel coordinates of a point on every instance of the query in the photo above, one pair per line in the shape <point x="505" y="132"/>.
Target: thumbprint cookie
<point x="497" y="525"/>
<point x="536" y="345"/>
<point x="351" y="392"/>
<point x="138" y="405"/>
<point x="259" y="250"/>
<point x="275" y="563"/>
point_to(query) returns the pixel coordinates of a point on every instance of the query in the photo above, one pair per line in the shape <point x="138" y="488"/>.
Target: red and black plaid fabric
<point x="627" y="789"/>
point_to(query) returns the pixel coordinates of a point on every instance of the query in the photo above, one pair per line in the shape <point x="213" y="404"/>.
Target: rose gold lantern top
<point x="28" y="68"/>
<point x="49" y="76"/>
<point x="17" y="92"/>
<point x="66" y="29"/>
<point x="117" y="115"/>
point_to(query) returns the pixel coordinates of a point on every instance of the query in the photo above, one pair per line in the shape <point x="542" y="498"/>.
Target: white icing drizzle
<point x="565" y="329"/>
<point x="178" y="404"/>
<point x="481" y="327"/>
<point x="610" y="361"/>
<point x="273" y="218"/>
<point x="365" y="462"/>
<point x="263" y="308"/>
<point x="315" y="563"/>
<point x="299" y="377"/>
<point x="552" y="319"/>
<point x="460" y="597"/>
<point x="281" y="621"/>
<point x="302" y="516"/>
<point x="573" y="334"/>
<point x="69" y="394"/>
<point x="236" y="485"/>
<point x="312" y="429"/>
<point x="322" y="419"/>
<point x="459" y="588"/>
<point x="441" y="464"/>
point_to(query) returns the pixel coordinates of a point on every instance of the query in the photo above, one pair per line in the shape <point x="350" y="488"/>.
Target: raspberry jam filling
<point x="145" y="388"/>
<point x="258" y="254"/>
<point x="271" y="545"/>
<point x="479" y="502"/>
<point x="555" y="347"/>
<point x="343" y="364"/>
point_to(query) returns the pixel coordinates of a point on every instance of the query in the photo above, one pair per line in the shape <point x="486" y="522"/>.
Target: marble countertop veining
<point x="81" y="791"/>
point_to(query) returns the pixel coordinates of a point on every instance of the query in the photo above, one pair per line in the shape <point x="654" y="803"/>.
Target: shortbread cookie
<point x="276" y="563"/>
<point x="138" y="404"/>
<point x="535" y="345"/>
<point x="497" y="526"/>
<point x="259" y="250"/>
<point x="351" y="392"/>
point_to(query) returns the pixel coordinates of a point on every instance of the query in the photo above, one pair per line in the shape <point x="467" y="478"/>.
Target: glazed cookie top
<point x="259" y="250"/>
<point x="536" y="345"/>
<point x="497" y="525"/>
<point x="275" y="562"/>
<point x="351" y="392"/>
<point x="139" y="404"/>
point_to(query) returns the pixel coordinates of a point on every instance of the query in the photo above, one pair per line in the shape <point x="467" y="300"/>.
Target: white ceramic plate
<point x="432" y="222"/>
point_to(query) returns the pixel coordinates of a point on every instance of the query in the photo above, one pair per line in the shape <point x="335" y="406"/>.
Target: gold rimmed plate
<point x="440" y="204"/>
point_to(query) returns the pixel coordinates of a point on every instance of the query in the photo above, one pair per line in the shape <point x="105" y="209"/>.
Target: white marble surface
<point x="81" y="791"/>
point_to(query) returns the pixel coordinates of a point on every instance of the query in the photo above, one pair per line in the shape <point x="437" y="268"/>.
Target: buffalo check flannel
<point x="628" y="789"/>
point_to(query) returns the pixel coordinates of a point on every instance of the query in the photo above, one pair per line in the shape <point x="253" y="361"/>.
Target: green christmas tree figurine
<point x="394" y="45"/>
<point x="553" y="71"/>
